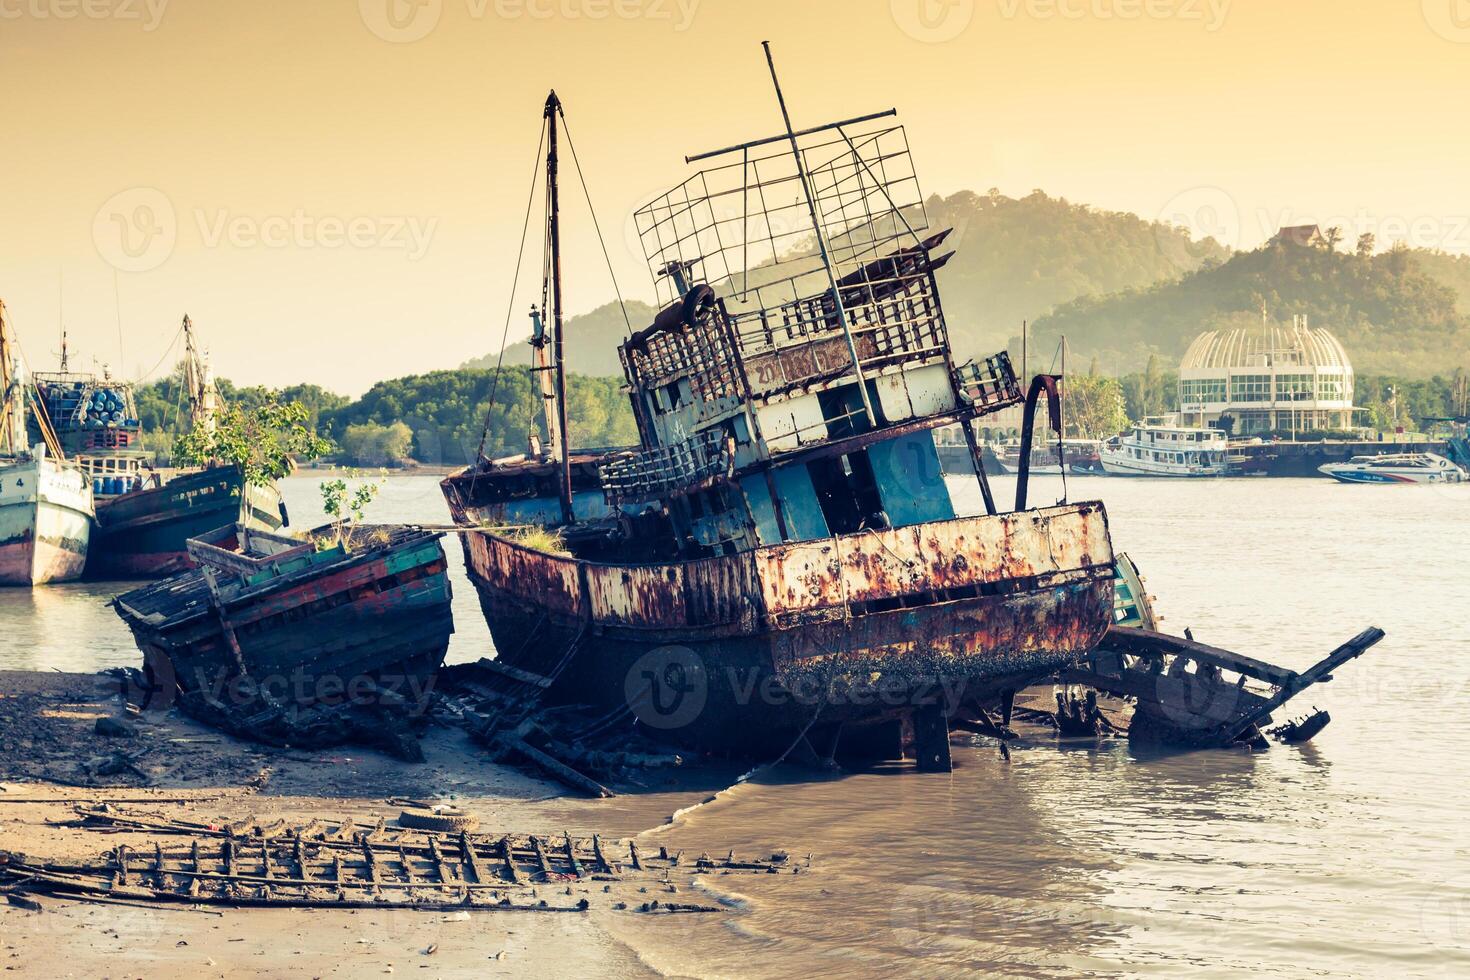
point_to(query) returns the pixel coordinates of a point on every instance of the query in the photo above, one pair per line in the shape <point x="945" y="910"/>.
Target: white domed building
<point x="1267" y="378"/>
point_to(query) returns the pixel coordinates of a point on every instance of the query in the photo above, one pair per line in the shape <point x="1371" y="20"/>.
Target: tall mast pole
<point x="811" y="204"/>
<point x="564" y="477"/>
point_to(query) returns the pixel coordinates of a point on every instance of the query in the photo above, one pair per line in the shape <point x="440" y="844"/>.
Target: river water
<point x="1347" y="856"/>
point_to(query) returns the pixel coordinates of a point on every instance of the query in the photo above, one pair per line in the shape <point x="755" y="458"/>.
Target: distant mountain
<point x="591" y="344"/>
<point x="1018" y="259"/>
<point x="1014" y="259"/>
<point x="1392" y="315"/>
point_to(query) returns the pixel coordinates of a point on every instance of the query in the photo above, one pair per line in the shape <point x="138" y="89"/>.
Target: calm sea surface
<point x="1348" y="856"/>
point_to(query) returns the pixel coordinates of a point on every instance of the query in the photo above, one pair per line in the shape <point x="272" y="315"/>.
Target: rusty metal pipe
<point x="1050" y="384"/>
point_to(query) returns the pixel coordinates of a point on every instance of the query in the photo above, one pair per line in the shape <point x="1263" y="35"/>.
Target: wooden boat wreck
<point x="310" y="642"/>
<point x="782" y="560"/>
<point x="145" y="517"/>
<point x="350" y="865"/>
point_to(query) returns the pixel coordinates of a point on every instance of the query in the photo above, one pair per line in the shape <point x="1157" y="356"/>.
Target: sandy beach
<point x="175" y="768"/>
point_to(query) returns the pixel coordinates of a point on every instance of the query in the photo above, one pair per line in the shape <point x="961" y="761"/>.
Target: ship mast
<point x="198" y="383"/>
<point x="564" y="475"/>
<point x="817" y="229"/>
<point x="12" y="408"/>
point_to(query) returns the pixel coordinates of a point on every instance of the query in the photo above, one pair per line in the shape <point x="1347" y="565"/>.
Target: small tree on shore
<point x="263" y="441"/>
<point x="1092" y="407"/>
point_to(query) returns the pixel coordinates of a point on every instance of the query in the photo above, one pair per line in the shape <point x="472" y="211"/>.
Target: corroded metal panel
<point x="534" y="577"/>
<point x="709" y="592"/>
<point x="636" y="595"/>
<point x="809" y="576"/>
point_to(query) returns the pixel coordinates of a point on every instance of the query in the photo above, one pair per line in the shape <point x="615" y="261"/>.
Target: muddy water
<point x="1345" y="857"/>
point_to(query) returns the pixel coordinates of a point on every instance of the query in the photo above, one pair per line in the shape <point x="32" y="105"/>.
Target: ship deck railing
<point x="663" y="470"/>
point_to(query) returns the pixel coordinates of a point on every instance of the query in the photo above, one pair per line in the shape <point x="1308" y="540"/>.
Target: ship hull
<point x="275" y="660"/>
<point x="45" y="523"/>
<point x="746" y="652"/>
<point x="145" y="534"/>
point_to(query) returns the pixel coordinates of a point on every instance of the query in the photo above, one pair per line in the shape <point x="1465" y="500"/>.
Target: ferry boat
<point x="1396" y="468"/>
<point x="780" y="562"/>
<point x="1156" y="447"/>
<point x="144" y="516"/>
<point x="45" y="501"/>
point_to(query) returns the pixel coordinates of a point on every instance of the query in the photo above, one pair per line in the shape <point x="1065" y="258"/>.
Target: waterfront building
<point x="1267" y="379"/>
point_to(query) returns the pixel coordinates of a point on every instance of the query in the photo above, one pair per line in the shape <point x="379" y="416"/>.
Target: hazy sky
<point x="333" y="189"/>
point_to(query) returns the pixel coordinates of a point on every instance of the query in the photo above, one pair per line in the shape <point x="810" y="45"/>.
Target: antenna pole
<point x="811" y="204"/>
<point x="564" y="478"/>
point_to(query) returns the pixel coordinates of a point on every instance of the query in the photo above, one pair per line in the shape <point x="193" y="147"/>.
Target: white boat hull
<point x="1139" y="467"/>
<point x="45" y="522"/>
<point x="1345" y="473"/>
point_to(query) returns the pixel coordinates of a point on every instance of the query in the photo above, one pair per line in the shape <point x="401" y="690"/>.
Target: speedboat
<point x="1396" y="468"/>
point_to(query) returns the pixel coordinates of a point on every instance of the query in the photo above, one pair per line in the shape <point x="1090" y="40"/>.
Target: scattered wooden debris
<point x="501" y="707"/>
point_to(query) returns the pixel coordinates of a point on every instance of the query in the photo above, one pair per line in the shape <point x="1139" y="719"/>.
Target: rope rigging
<point x="510" y="304"/>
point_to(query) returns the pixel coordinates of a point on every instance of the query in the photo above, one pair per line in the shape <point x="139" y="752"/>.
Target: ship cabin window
<point x="847" y="492"/>
<point x="842" y="408"/>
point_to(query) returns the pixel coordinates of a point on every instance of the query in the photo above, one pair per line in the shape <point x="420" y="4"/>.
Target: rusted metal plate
<point x="710" y="592"/>
<point x="964" y="552"/>
<point x="986" y="636"/>
<point x="537" y="578"/>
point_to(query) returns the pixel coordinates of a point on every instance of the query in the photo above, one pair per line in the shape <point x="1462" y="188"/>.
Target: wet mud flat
<point x="54" y="760"/>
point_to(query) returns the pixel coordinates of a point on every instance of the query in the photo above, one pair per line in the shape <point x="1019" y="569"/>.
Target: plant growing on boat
<point x="263" y="441"/>
<point x="346" y="509"/>
<point x="532" y="536"/>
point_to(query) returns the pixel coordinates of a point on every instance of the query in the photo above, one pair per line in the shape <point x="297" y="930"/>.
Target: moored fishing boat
<point x="781" y="559"/>
<point x="1396" y="468"/>
<point x="45" y="503"/>
<point x="1078" y="455"/>
<point x="145" y="517"/>
<point x="303" y="642"/>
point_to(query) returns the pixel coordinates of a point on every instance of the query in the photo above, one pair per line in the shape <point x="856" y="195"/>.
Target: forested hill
<point x="1391" y="315"/>
<point x="1018" y="259"/>
<point x="1014" y="259"/>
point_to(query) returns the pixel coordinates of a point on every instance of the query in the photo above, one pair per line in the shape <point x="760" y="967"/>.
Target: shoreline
<point x="181" y="769"/>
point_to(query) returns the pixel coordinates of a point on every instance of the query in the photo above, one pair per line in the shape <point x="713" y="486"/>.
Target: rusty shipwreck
<point x="782" y="560"/>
